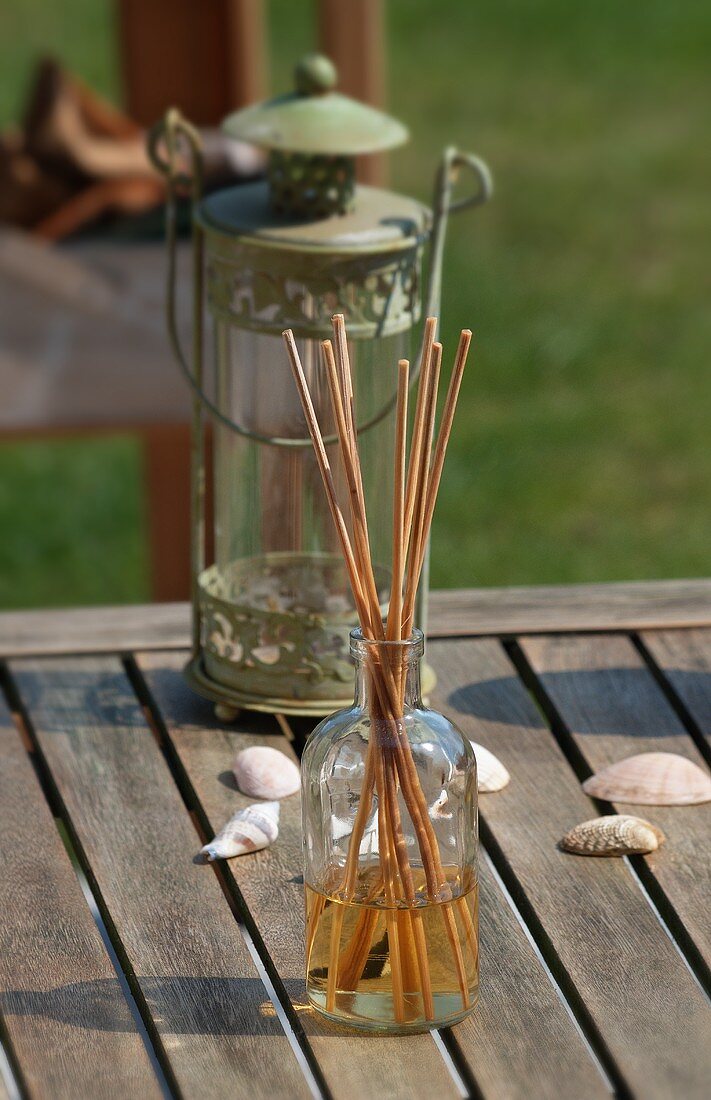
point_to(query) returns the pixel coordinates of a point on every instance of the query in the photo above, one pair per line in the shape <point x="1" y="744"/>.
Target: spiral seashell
<point x="262" y="772"/>
<point x="250" y="830"/>
<point x="652" y="779"/>
<point x="614" y="835"/>
<point x="491" y="773"/>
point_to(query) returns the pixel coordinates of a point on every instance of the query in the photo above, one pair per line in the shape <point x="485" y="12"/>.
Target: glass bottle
<point x="389" y="803"/>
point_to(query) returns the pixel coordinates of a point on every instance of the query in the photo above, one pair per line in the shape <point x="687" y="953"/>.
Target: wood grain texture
<point x="684" y="656"/>
<point x="521" y="1032"/>
<point x="63" y="1009"/>
<point x="613" y="708"/>
<point x="94" y="630"/>
<point x="182" y="943"/>
<point x="634" y="985"/>
<point x="452" y="613"/>
<point x="271" y="884"/>
<point x="634" y="605"/>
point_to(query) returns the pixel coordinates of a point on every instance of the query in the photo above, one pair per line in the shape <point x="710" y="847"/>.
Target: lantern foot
<point x="226" y="713"/>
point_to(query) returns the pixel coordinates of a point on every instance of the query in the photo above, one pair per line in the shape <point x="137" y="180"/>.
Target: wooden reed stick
<point x="344" y="364"/>
<point x="394" y="623"/>
<point x="418" y="424"/>
<point x="445" y="430"/>
<point x="333" y="957"/>
<point x="385" y="840"/>
<point x="314" y="918"/>
<point x="421" y="477"/>
<point x="355" y="489"/>
<point x="326" y="475"/>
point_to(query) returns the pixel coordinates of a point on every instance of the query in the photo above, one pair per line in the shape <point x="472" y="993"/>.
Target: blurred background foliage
<point x="581" y="450"/>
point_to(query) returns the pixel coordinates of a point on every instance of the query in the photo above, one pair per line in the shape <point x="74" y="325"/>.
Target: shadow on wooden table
<point x="491" y="699"/>
<point x="102" y="1001"/>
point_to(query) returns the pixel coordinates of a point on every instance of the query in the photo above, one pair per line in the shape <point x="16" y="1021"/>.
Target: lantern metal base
<point x="201" y="682"/>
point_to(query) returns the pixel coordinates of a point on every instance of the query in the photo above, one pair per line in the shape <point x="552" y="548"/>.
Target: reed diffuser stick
<point x="355" y="486"/>
<point x="445" y="430"/>
<point x="326" y="475"/>
<point x="429" y="412"/>
<point x="395" y="607"/>
<point x="418" y="424"/>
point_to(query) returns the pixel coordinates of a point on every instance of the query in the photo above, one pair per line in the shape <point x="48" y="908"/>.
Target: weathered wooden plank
<point x="184" y="947"/>
<point x="64" y="1013"/>
<point x="521" y="1033"/>
<point x="94" y="630"/>
<point x="631" y="981"/>
<point x="684" y="656"/>
<point x="271" y="884"/>
<point x="613" y="708"/>
<point x="452" y="613"/>
<point x="634" y="605"/>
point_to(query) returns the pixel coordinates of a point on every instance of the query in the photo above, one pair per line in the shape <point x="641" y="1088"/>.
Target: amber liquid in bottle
<point x="355" y="940"/>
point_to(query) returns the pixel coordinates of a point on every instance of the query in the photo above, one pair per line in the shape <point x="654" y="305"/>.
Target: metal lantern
<point x="272" y="611"/>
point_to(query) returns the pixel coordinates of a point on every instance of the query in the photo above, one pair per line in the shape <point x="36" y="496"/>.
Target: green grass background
<point x="581" y="450"/>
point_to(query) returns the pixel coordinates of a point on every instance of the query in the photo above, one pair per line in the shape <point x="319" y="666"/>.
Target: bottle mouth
<point x="408" y="649"/>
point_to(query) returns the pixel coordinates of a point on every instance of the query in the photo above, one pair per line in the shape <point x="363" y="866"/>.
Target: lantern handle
<point x="453" y="161"/>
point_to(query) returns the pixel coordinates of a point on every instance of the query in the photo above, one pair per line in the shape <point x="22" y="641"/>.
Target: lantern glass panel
<point x="276" y="548"/>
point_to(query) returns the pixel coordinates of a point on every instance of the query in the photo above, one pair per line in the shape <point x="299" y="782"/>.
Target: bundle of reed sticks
<point x="390" y="768"/>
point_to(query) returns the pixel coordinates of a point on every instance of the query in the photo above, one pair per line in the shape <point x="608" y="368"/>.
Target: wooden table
<point x="129" y="970"/>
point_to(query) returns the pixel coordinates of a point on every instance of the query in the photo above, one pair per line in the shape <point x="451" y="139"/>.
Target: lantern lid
<point x="380" y="221"/>
<point x="315" y="119"/>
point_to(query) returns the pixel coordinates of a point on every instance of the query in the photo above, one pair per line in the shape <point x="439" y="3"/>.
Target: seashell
<point x="438" y="810"/>
<point x="369" y="843"/>
<point x="262" y="772"/>
<point x="491" y="773"/>
<point x="651" y="779"/>
<point x="614" y="835"/>
<point x="250" y="830"/>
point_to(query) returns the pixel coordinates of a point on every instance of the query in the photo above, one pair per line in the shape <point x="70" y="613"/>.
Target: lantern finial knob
<point x="315" y="74"/>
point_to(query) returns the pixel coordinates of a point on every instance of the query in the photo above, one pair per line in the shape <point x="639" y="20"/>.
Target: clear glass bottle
<point x="389" y="803"/>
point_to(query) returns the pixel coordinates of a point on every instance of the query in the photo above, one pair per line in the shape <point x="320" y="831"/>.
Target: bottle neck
<point x="387" y="674"/>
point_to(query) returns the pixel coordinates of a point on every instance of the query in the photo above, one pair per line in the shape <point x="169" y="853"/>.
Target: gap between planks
<point x="681" y="665"/>
<point x="76" y="924"/>
<point x="507" y="1041"/>
<point x="593" y="925"/>
<point x="344" y="1059"/>
<point x="202" y="989"/>
<point x="233" y="895"/>
<point x="588" y="691"/>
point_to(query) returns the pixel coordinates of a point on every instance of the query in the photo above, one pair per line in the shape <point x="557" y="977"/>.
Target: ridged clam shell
<point x="262" y="772"/>
<point x="651" y="779"/>
<point x="614" y="835"/>
<point x="250" y="830"/>
<point x="491" y="773"/>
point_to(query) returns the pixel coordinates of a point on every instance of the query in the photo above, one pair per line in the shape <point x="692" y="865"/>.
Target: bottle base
<point x="364" y="1013"/>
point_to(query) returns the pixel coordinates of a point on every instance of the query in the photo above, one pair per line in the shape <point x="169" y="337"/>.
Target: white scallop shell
<point x="491" y="773"/>
<point x="262" y="772"/>
<point x="250" y="830"/>
<point x="613" y="835"/>
<point x="652" y="779"/>
<point x="439" y="811"/>
<point x="369" y="843"/>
